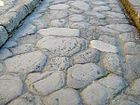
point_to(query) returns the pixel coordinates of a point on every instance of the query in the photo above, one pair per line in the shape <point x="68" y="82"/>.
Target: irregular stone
<point x="127" y="37"/>
<point x="79" y="75"/>
<point x="112" y="63"/>
<point x="135" y="88"/>
<point x="115" y="14"/>
<point x="58" y="64"/>
<point x="101" y="8"/>
<point x="58" y="23"/>
<point x="99" y="2"/>
<point x="62" y="46"/>
<point x="1" y="67"/>
<point x="113" y="83"/>
<point x="127" y="102"/>
<point x="48" y="85"/>
<point x="75" y="10"/>
<point x="102" y="46"/>
<point x="11" y="86"/>
<point x="59" y="32"/>
<point x="5" y="53"/>
<point x="131" y="48"/>
<point x="26" y="99"/>
<point x="76" y="18"/>
<point x="22" y="49"/>
<point x="87" y="56"/>
<point x="96" y="14"/>
<point x="26" y="63"/>
<point x="39" y="23"/>
<point x="121" y="27"/>
<point x="80" y="5"/>
<point x="10" y="44"/>
<point x="108" y="39"/>
<point x="66" y="96"/>
<point x="3" y="35"/>
<point x="79" y="25"/>
<point x="95" y="94"/>
<point x="59" y="6"/>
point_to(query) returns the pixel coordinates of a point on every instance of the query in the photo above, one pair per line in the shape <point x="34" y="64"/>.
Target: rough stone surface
<point x="66" y="96"/>
<point x="3" y="35"/>
<point x="59" y="6"/>
<point x="81" y="75"/>
<point x="62" y="46"/>
<point x="11" y="87"/>
<point x="26" y="63"/>
<point x="5" y="53"/>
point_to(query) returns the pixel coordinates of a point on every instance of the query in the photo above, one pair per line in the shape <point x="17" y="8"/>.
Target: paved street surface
<point x="72" y="52"/>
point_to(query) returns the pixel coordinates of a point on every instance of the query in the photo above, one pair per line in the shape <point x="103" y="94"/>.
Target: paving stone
<point x="57" y="14"/>
<point x="40" y="23"/>
<point x="89" y="55"/>
<point x="10" y="44"/>
<point x="58" y="23"/>
<point x="59" y="32"/>
<point x="80" y="75"/>
<point x="114" y="14"/>
<point x="134" y="90"/>
<point x="76" y="18"/>
<point x="59" y="6"/>
<point x="11" y="87"/>
<point x="79" y="25"/>
<point x="131" y="48"/>
<point x="48" y="85"/>
<point x="121" y="27"/>
<point x="112" y="63"/>
<point x="95" y="94"/>
<point x="127" y="37"/>
<point x="26" y="63"/>
<point x="127" y="102"/>
<point x="5" y="53"/>
<point x="66" y="96"/>
<point x="114" y="84"/>
<point x="75" y="10"/>
<point x="4" y="35"/>
<point x="23" y="49"/>
<point x="101" y="8"/>
<point x="99" y="2"/>
<point x="1" y="67"/>
<point x="26" y="99"/>
<point x="80" y="5"/>
<point x="102" y="46"/>
<point x="58" y="64"/>
<point x="108" y="39"/>
<point x="62" y="46"/>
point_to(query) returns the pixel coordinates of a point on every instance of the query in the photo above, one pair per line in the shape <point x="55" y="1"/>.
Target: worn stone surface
<point x="11" y="87"/>
<point x="3" y="35"/>
<point x="63" y="97"/>
<point x="5" y="53"/>
<point x="26" y="63"/>
<point x="81" y="75"/>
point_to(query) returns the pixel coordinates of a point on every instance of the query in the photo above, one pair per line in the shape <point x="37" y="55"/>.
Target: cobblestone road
<point x="72" y="52"/>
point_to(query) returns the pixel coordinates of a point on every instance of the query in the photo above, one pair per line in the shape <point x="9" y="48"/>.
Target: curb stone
<point x="11" y="19"/>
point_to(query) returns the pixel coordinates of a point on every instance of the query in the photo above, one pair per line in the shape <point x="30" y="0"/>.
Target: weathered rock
<point x="66" y="96"/>
<point x="87" y="56"/>
<point x="59" y="32"/>
<point x="48" y="85"/>
<point x="102" y="46"/>
<point x="108" y="39"/>
<point x="10" y="44"/>
<point x="59" y="7"/>
<point x="80" y="76"/>
<point x="80" y="5"/>
<point x="1" y="67"/>
<point x="5" y="53"/>
<point x="62" y="46"/>
<point x="26" y="63"/>
<point x="127" y="37"/>
<point x="76" y="18"/>
<point x="10" y="87"/>
<point x="112" y="63"/>
<point x="58" y="23"/>
<point x="115" y="14"/>
<point x="58" y="64"/>
<point x="101" y="8"/>
<point x="3" y="35"/>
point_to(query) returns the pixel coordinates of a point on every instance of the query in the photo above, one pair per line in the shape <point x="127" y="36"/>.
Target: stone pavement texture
<point x="72" y="52"/>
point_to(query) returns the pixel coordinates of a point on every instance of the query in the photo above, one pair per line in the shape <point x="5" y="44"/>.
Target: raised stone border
<point x="11" y="19"/>
<point x="132" y="8"/>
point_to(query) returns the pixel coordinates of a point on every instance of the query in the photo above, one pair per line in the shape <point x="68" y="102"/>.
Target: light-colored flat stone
<point x="66" y="96"/>
<point x="102" y="8"/>
<point x="49" y="84"/>
<point x="10" y="87"/>
<point x="59" y="7"/>
<point x="26" y="63"/>
<point x="80" y="5"/>
<point x="102" y="46"/>
<point x="81" y="75"/>
<point x="76" y="18"/>
<point x="62" y="46"/>
<point x="59" y="32"/>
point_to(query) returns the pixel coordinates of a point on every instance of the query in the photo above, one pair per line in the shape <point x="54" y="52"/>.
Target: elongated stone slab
<point x="102" y="46"/>
<point x="59" y="32"/>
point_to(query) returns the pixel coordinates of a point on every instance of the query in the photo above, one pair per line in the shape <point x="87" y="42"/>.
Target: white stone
<point x="102" y="46"/>
<point x="66" y="96"/>
<point x="59" y="32"/>
<point x="59" y="6"/>
<point x="26" y="63"/>
<point x="1" y="67"/>
<point x="1" y="3"/>
<point x="101" y="8"/>
<point x="11" y="86"/>
<point x="80" y="5"/>
<point x="49" y="84"/>
<point x="76" y="18"/>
